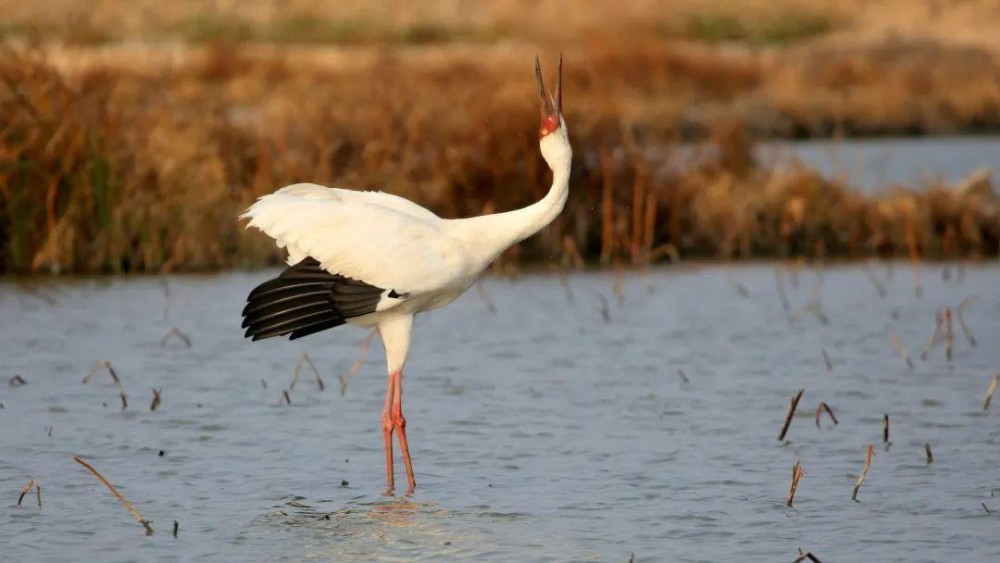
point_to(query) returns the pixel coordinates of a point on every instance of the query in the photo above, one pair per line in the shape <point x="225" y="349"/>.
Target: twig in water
<point x="103" y="364"/>
<point x="938" y="319"/>
<point x="990" y="391"/>
<point x="791" y="412"/>
<point x="864" y="472"/>
<point x="949" y="335"/>
<point x="604" y="308"/>
<point x="27" y="488"/>
<point x="927" y="450"/>
<point x="285" y="397"/>
<point x="176" y="528"/>
<point x="879" y="286"/>
<point x="304" y="359"/>
<point x="961" y="321"/>
<point x="739" y="287"/>
<point x="121" y="394"/>
<point x="485" y="296"/>
<point x="176" y="333"/>
<point x="156" y="399"/>
<point x="128" y="505"/>
<point x="826" y="360"/>
<point x="901" y="350"/>
<point x="885" y="431"/>
<point x="819" y="412"/>
<point x="684" y="377"/>
<point x="16" y="381"/>
<point x="807" y="555"/>
<point x="346" y="378"/>
<point x="988" y="511"/>
<point x="797" y="473"/>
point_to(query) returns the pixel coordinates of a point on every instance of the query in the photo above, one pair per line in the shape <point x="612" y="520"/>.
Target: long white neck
<point x="489" y="235"/>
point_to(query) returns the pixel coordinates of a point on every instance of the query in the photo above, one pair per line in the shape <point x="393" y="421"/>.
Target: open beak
<point x="551" y="106"/>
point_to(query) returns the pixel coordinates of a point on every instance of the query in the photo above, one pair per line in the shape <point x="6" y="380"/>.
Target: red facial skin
<point x="549" y="124"/>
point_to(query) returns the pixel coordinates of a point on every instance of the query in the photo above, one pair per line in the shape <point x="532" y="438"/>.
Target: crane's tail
<point x="306" y="299"/>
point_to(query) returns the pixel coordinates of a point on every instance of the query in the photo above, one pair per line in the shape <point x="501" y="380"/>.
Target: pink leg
<point x="387" y="428"/>
<point x="399" y="423"/>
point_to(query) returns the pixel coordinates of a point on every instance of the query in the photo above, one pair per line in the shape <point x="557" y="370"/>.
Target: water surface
<point x="540" y="432"/>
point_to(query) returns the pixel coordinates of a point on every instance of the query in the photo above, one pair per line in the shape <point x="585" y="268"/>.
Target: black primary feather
<point x="306" y="299"/>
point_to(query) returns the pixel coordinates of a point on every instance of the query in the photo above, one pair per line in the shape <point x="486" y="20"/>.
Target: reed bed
<point x="123" y="160"/>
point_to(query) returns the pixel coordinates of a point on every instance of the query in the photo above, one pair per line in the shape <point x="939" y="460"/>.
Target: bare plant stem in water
<point x="604" y="308"/>
<point x="124" y="398"/>
<point x="285" y="397"/>
<point x="797" y="473"/>
<point x="791" y="412"/>
<point x="779" y="284"/>
<point x="156" y="399"/>
<point x="176" y="528"/>
<point x="346" y="378"/>
<point x="949" y="335"/>
<point x="16" y="381"/>
<point x="961" y="321"/>
<point x="901" y="350"/>
<point x="927" y="451"/>
<point x="481" y="291"/>
<point x="102" y="364"/>
<point x="128" y="505"/>
<point x="739" y="287"/>
<point x="305" y="360"/>
<point x="938" y="319"/>
<point x="990" y="391"/>
<point x="826" y="360"/>
<point x="684" y="377"/>
<point x="176" y="333"/>
<point x="864" y="472"/>
<point x="807" y="555"/>
<point x="32" y="484"/>
<point x="879" y="286"/>
<point x="823" y="407"/>
<point x="885" y="430"/>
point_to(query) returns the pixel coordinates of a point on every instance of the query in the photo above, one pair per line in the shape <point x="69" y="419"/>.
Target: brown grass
<point x="121" y="159"/>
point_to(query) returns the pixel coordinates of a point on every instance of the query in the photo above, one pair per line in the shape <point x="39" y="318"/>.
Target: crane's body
<point x="374" y="259"/>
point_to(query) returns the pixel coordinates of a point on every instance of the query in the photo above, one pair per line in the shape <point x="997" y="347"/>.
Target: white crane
<point x="373" y="259"/>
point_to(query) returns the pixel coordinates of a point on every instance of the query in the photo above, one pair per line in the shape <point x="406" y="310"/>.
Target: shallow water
<point x="539" y="432"/>
<point x="872" y="164"/>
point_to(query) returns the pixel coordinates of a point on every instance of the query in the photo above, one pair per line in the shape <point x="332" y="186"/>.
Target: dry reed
<point x="178" y="334"/>
<point x="32" y="484"/>
<point x="94" y="177"/>
<point x="16" y="381"/>
<point x="927" y="453"/>
<point x="826" y="360"/>
<point x="345" y="379"/>
<point x="791" y="412"/>
<point x="97" y="368"/>
<point x="938" y="320"/>
<point x="990" y="391"/>
<point x="864" y="472"/>
<point x="823" y="407"/>
<point x="125" y="502"/>
<point x="961" y="321"/>
<point x="305" y="360"/>
<point x="481" y="291"/>
<point x="902" y="351"/>
<point x="885" y="430"/>
<point x="807" y="555"/>
<point x="683" y="376"/>
<point x="156" y="399"/>
<point x="797" y="473"/>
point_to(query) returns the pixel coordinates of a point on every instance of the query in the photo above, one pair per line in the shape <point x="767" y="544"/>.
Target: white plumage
<point x="376" y="259"/>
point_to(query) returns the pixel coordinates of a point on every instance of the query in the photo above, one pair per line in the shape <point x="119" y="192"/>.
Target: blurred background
<point x="132" y="133"/>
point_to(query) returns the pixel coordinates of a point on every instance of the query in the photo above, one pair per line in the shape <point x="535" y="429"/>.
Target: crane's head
<point x="551" y="104"/>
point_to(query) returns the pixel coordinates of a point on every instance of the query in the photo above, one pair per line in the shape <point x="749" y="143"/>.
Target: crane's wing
<point x="396" y="246"/>
<point x="382" y="199"/>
